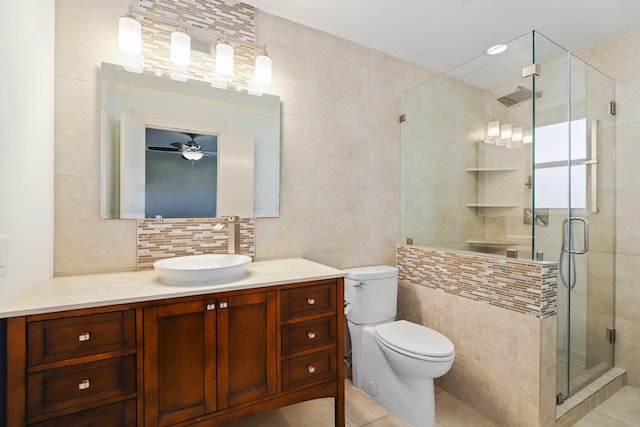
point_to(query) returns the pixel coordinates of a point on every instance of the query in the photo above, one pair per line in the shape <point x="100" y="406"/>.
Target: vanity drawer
<point x="297" y="337"/>
<point x="308" y="300"/>
<point x="120" y="414"/>
<point x="66" y="338"/>
<point x="62" y="388"/>
<point x="307" y="369"/>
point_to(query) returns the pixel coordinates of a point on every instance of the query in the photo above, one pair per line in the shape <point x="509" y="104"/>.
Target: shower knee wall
<point x="505" y="358"/>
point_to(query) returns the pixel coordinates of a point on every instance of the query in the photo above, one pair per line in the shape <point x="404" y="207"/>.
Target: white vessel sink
<point x="202" y="269"/>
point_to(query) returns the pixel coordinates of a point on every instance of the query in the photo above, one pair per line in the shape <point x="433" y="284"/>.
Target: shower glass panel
<point x="516" y="151"/>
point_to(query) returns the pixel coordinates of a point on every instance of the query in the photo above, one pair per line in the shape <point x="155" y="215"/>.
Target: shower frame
<point x="459" y="192"/>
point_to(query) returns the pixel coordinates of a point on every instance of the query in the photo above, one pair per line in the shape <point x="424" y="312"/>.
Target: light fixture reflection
<point x="506" y="131"/>
<point x="493" y="129"/>
<point x="517" y="134"/>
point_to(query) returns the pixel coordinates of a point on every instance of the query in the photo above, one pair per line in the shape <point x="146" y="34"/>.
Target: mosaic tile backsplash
<point x="235" y="21"/>
<point x="188" y="236"/>
<point x="522" y="286"/>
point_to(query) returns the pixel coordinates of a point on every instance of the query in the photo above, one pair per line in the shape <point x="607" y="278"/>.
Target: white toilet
<point x="394" y="362"/>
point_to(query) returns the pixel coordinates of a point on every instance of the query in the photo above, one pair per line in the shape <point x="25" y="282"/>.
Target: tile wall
<point x="340" y="145"/>
<point x="505" y="354"/>
<point x="189" y="236"/>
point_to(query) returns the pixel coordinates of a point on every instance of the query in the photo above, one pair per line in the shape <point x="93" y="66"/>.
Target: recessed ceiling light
<point x="497" y="49"/>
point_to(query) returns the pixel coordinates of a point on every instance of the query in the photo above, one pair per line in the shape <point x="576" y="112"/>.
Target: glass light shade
<point x="130" y="35"/>
<point x="263" y="70"/>
<point x="506" y="131"/>
<point x="224" y="59"/>
<point x="527" y="137"/>
<point x="493" y="129"/>
<point x="133" y="63"/>
<point x="516" y="134"/>
<point x="192" y="155"/>
<point x="180" y="48"/>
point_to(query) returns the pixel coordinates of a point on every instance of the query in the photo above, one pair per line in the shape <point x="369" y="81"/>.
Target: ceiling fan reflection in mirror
<point x="190" y="150"/>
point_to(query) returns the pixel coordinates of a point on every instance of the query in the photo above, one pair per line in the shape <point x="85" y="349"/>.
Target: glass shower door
<point x="574" y="188"/>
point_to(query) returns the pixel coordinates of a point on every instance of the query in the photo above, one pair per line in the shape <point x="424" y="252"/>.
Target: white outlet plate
<point x="4" y="255"/>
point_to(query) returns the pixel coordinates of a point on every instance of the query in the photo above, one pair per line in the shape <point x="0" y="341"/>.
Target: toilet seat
<point x="416" y="341"/>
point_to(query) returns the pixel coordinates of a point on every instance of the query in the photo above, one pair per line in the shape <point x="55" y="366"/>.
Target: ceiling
<point x="441" y="34"/>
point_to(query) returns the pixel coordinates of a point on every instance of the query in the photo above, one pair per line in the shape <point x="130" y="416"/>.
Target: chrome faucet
<point x="233" y="233"/>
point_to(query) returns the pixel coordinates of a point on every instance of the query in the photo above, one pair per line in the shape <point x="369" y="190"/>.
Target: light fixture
<point x="506" y="131"/>
<point x="130" y="35"/>
<point x="180" y="48"/>
<point x="183" y="41"/>
<point x="497" y="49"/>
<point x="517" y="134"/>
<point x="262" y="71"/>
<point x="224" y="59"/>
<point x="192" y="155"/>
<point x="527" y="137"/>
<point x="493" y="129"/>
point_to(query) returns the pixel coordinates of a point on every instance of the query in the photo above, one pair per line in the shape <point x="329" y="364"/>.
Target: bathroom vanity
<point x="127" y="350"/>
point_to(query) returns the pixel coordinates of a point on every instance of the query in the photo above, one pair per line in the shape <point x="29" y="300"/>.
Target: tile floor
<point x="361" y="410"/>
<point x="620" y="410"/>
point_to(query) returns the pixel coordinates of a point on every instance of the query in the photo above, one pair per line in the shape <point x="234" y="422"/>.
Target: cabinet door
<point x="179" y="376"/>
<point x="246" y="348"/>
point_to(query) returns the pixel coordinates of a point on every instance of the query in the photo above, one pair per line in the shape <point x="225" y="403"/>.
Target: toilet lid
<point x="416" y="339"/>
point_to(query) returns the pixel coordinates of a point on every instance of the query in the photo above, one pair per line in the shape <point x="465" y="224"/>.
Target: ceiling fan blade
<point x="210" y="153"/>
<point x="178" y="145"/>
<point x="162" y="149"/>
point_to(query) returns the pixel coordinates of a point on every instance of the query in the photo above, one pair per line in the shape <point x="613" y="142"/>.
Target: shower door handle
<point x="568" y="223"/>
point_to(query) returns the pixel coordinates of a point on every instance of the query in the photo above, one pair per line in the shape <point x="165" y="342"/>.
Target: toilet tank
<point x="373" y="291"/>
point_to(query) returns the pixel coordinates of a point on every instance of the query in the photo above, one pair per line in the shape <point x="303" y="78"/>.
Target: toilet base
<point x="410" y="399"/>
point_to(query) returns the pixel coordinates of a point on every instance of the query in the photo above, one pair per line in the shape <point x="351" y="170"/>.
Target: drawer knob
<point x="311" y="301"/>
<point x="311" y="369"/>
<point x="311" y="335"/>
<point x="211" y="307"/>
<point x="84" y="337"/>
<point x="84" y="384"/>
<point x="223" y="305"/>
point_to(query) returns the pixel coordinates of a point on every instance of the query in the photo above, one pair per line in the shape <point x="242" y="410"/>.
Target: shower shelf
<point x="491" y="169"/>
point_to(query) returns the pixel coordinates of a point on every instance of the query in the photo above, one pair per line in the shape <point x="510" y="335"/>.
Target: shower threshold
<point x="578" y="405"/>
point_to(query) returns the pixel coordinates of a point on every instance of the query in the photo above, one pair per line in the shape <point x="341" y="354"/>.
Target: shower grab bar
<point x="585" y="223"/>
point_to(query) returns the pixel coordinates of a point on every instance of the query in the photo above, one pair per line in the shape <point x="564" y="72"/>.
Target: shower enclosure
<point x="515" y="153"/>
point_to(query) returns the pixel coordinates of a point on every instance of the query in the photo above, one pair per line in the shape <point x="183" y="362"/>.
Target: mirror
<point x="246" y="125"/>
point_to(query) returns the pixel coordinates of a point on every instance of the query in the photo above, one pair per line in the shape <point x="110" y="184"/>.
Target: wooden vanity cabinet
<point x="73" y="368"/>
<point x="207" y="355"/>
<point x="203" y="360"/>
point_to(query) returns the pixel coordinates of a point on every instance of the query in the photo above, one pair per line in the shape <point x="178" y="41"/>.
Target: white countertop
<point x="95" y="290"/>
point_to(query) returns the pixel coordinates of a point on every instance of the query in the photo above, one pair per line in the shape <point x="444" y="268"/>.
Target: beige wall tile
<point x="77" y="127"/>
<point x="83" y="242"/>
<point x="627" y="349"/>
<point x="340" y="146"/>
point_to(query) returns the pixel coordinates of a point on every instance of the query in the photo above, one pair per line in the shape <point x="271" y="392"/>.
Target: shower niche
<point x="516" y="152"/>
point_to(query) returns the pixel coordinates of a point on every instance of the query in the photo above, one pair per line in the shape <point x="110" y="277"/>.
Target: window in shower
<point x="552" y="161"/>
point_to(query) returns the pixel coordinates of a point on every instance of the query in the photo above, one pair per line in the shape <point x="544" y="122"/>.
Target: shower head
<point x="521" y="94"/>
